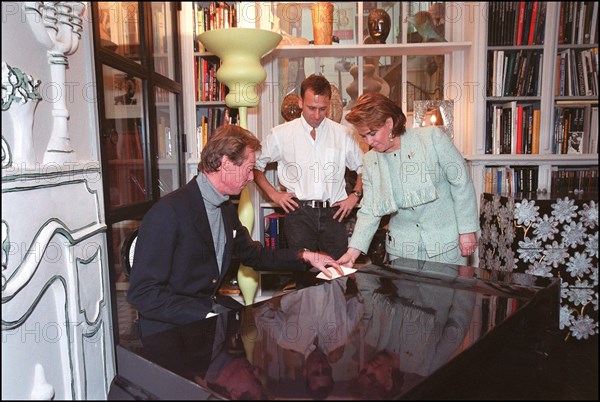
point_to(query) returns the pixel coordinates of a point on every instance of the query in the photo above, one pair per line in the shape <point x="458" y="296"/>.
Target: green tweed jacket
<point x="426" y="188"/>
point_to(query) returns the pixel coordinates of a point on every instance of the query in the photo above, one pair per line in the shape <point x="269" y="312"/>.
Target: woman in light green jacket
<point x="419" y="178"/>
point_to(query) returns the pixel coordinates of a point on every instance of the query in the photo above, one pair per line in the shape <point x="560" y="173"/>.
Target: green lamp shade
<point x="240" y="51"/>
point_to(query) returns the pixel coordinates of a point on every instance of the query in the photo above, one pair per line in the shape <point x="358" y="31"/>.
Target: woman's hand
<point x="467" y="243"/>
<point x="349" y="257"/>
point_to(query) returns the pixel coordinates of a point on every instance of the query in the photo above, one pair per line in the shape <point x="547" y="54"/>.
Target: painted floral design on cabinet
<point x="550" y="237"/>
<point x="20" y="96"/>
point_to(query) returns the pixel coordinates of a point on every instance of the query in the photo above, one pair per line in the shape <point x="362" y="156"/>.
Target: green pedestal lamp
<point x="240" y="51"/>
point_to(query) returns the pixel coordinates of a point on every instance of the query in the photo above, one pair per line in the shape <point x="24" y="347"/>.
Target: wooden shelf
<point x="211" y="103"/>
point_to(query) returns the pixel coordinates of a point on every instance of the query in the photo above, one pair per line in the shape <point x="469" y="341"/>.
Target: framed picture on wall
<point x="122" y="96"/>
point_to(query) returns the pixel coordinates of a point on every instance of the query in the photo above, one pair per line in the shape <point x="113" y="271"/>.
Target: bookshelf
<point x="539" y="110"/>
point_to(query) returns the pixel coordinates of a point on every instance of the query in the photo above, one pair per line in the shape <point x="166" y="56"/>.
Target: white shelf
<point x="534" y="159"/>
<point x="335" y="50"/>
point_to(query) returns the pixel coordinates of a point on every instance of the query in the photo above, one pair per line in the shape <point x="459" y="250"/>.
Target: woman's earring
<point x="391" y="136"/>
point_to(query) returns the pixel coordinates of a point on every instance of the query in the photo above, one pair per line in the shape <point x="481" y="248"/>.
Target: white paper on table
<point x="335" y="273"/>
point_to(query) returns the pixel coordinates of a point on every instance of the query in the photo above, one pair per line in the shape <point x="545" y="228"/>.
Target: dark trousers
<point x="316" y="230"/>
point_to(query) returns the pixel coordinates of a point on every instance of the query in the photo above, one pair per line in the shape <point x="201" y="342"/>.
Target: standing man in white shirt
<point x="312" y="153"/>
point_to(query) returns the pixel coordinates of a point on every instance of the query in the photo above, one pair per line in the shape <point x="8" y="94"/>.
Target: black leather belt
<point x="313" y="203"/>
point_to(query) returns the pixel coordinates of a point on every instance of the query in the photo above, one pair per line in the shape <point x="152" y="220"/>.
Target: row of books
<point x="274" y="234"/>
<point x="516" y="23"/>
<point x="161" y="66"/>
<point x="573" y="180"/>
<point x="162" y="95"/>
<point x="575" y="129"/>
<point x="577" y="72"/>
<point x="514" y="72"/>
<point x="510" y="179"/>
<point x="512" y="128"/>
<point x="212" y="15"/>
<point x="209" y="119"/>
<point x="127" y="145"/>
<point x="208" y="88"/>
<point x="578" y="22"/>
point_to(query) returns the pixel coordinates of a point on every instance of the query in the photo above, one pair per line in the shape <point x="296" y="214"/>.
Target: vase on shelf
<point x="371" y="82"/>
<point x="290" y="107"/>
<point x="240" y="51"/>
<point x="322" y="21"/>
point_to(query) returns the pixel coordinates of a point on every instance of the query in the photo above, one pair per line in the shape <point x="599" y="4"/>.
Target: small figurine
<point x="423" y="23"/>
<point x="379" y="24"/>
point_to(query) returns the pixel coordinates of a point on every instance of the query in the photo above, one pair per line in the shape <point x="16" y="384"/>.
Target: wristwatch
<point x="357" y="194"/>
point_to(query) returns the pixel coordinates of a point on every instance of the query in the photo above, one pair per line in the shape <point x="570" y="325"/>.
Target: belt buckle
<point x="316" y="204"/>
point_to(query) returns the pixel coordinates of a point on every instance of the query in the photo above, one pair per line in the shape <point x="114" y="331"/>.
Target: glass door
<point x="123" y="138"/>
<point x="139" y="103"/>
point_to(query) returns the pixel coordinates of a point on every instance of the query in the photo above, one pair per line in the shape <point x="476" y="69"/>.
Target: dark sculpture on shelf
<point x="379" y="23"/>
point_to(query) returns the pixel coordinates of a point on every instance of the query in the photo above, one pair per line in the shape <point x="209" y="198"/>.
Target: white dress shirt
<point x="313" y="169"/>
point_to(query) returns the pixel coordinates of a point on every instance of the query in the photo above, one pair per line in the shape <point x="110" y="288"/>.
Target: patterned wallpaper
<point x="547" y="237"/>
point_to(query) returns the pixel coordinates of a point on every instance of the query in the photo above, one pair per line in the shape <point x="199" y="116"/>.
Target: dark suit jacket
<point x="175" y="276"/>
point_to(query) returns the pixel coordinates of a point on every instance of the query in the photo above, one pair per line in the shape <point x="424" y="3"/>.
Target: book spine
<point x="274" y="231"/>
<point x="520" y="22"/>
<point x="534" y="12"/>
<point x="489" y="133"/>
<point x="527" y="22"/>
<point x="535" y="140"/>
<point x="541" y="24"/>
<point x="519" y="148"/>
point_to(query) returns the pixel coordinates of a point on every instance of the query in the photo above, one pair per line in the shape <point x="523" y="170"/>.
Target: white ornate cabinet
<point x="56" y="324"/>
<point x="57" y="336"/>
